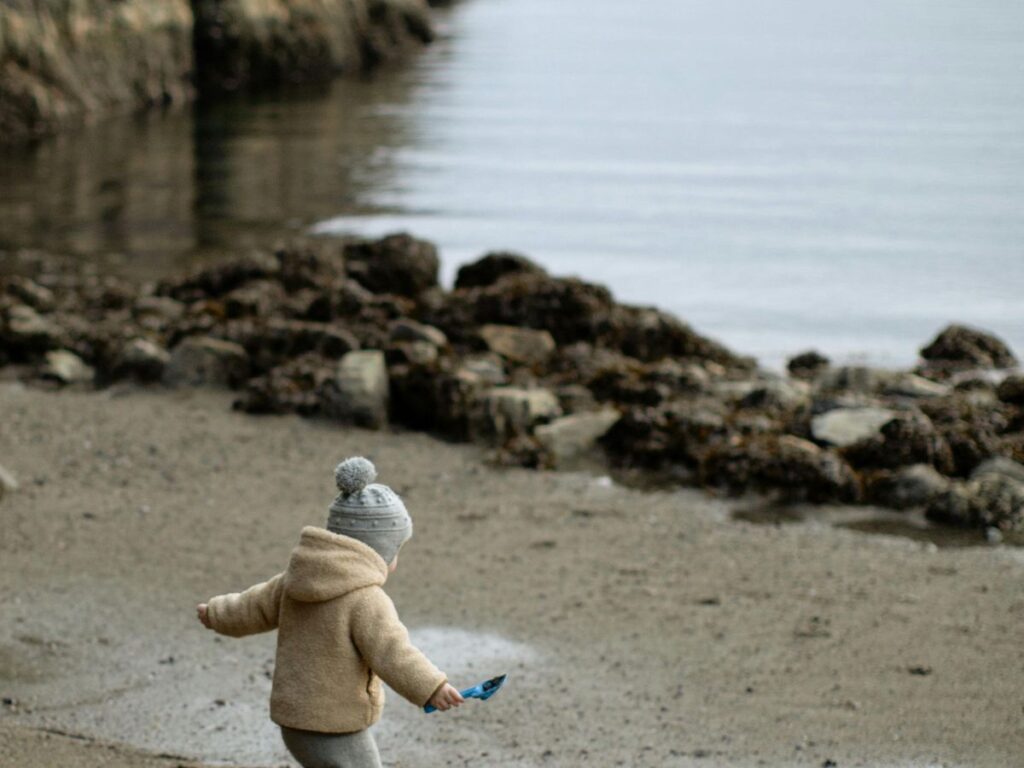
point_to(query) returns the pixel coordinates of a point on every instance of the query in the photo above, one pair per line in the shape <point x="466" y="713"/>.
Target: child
<point x="338" y="632"/>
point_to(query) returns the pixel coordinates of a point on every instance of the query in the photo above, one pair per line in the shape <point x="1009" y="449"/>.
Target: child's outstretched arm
<point x="244" y="613"/>
<point x="384" y="642"/>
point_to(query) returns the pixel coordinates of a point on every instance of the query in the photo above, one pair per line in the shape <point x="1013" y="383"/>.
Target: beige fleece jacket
<point x="338" y="635"/>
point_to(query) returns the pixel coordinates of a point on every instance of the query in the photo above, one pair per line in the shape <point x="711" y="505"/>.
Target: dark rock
<point x="142" y="360"/>
<point x="398" y="264"/>
<point x="29" y="292"/>
<point x="676" y="433"/>
<point x="271" y="343"/>
<point x="796" y="468"/>
<point x="990" y="500"/>
<point x="807" y="365"/>
<point x="909" y="438"/>
<point x="492" y="267"/>
<point x="207" y="362"/>
<point x="26" y="335"/>
<point x="650" y="334"/>
<point x="257" y="298"/>
<point x="411" y="352"/>
<point x="906" y="487"/>
<point x="218" y="279"/>
<point x="1011" y="389"/>
<point x="295" y="387"/>
<point x="436" y="398"/>
<point x="959" y="346"/>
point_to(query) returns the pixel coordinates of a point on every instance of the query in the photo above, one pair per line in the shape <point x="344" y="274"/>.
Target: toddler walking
<point x="338" y="632"/>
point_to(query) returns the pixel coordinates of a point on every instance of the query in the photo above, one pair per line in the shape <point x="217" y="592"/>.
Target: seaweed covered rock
<point x="398" y="264"/>
<point x="959" y="346"/>
<point x="494" y="266"/>
<point x="1011" y="389"/>
<point x="807" y="365"/>
<point x="992" y="498"/>
<point x="790" y="466"/>
<point x="677" y="433"/>
<point x="909" y="438"/>
<point x="906" y="487"/>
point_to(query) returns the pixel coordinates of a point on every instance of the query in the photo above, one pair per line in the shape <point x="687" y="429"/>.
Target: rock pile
<point x="540" y="368"/>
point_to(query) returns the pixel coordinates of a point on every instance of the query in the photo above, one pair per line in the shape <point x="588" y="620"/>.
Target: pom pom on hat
<point x="352" y="475"/>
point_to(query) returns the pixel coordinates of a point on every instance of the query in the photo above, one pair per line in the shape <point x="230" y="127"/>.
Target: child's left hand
<point x="204" y="618"/>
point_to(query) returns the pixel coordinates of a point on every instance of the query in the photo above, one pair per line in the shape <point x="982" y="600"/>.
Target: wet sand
<point x="638" y="628"/>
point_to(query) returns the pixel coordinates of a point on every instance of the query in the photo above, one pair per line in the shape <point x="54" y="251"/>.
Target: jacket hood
<point x="327" y="565"/>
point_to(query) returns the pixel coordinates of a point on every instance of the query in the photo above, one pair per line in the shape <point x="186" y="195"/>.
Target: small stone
<point x="8" y="483"/>
<point x="66" y="367"/>
<point x="845" y="426"/>
<point x="519" y="345"/>
<point x="920" y="670"/>
<point x="203" y="361"/>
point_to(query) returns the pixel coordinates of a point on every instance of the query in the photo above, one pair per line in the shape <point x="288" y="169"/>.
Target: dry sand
<point x="638" y="628"/>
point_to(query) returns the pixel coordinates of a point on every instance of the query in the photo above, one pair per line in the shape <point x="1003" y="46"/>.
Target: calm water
<point x="803" y="173"/>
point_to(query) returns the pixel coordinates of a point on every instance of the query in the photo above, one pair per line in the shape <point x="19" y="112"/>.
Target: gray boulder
<point x="405" y="329"/>
<point x="141" y="359"/>
<point x="571" y="436"/>
<point x="845" y="426"/>
<point x="66" y="368"/>
<point x="360" y="391"/>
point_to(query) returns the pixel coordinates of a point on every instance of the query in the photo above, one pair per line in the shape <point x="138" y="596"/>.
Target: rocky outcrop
<point x="242" y="43"/>
<point x="64" y="60"/>
<point x="541" y="370"/>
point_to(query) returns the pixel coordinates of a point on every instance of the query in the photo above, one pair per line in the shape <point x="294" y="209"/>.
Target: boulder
<point x="141" y="359"/>
<point x="845" y="426"/>
<point x="990" y="500"/>
<point x="568" y="437"/>
<point x="492" y="267"/>
<point x="218" y="279"/>
<point x="909" y="438"/>
<point x="959" y="346"/>
<point x="1011" y="389"/>
<point x="907" y="487"/>
<point x="673" y="434"/>
<point x="203" y="361"/>
<point x="398" y="264"/>
<point x="777" y="395"/>
<point x="294" y="387"/>
<point x="807" y="365"/>
<point x="155" y="313"/>
<point x="66" y="368"/>
<point x="404" y="329"/>
<point x="509" y="411"/>
<point x="33" y="294"/>
<point x="437" y="398"/>
<point x="359" y="392"/>
<point x="651" y="334"/>
<point x="518" y="345"/>
<point x="793" y="467"/>
<point x="270" y="343"/>
<point x="27" y="335"/>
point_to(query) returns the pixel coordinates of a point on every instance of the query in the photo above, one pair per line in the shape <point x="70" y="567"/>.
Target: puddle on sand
<point x="907" y="525"/>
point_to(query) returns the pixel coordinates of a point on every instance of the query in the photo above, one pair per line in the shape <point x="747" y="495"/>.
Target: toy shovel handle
<point x="469" y="693"/>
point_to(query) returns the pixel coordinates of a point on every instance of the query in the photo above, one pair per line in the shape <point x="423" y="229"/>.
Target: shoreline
<point x="680" y="635"/>
<point x="540" y="371"/>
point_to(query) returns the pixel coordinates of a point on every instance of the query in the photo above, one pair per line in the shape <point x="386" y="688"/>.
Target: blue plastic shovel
<point x="482" y="691"/>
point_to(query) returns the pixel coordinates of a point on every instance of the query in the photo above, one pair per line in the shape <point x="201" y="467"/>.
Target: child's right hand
<point x="445" y="698"/>
<point x="203" y="615"/>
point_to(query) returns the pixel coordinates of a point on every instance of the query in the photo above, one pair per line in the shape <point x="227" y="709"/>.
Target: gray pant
<point x="332" y="750"/>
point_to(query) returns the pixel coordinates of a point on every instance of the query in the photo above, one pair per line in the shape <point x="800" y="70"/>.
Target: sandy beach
<point x="637" y="627"/>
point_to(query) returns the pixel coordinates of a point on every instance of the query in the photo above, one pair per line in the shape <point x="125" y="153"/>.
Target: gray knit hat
<point x="367" y="511"/>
